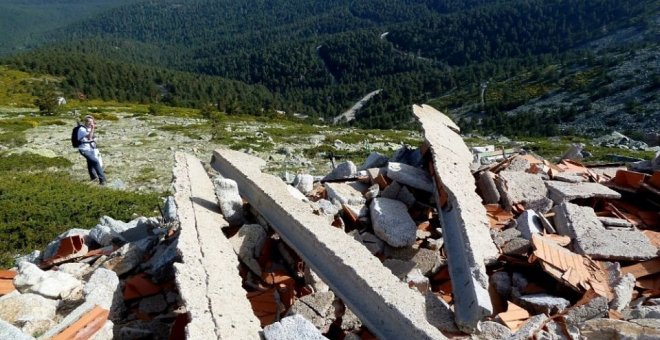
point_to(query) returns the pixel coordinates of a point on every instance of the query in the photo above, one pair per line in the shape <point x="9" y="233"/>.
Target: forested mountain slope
<point x="318" y="57"/>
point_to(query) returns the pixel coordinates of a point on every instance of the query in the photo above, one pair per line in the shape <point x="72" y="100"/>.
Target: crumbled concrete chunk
<point x="410" y="176"/>
<point x="129" y="256"/>
<point x="169" y="210"/>
<point x="247" y="244"/>
<point x="346" y="193"/>
<point x="623" y="292"/>
<point x="317" y="308"/>
<point x="51" y="284"/>
<point x="229" y="199"/>
<point x="492" y="330"/>
<point x="595" y="308"/>
<point x="399" y="268"/>
<point x="531" y="326"/>
<point x="294" y="327"/>
<point x="103" y="289"/>
<point x="520" y="187"/>
<point x="439" y="313"/>
<point x="542" y="303"/>
<point x="564" y="192"/>
<point x="590" y="237"/>
<point x="350" y="321"/>
<point x="392" y="223"/>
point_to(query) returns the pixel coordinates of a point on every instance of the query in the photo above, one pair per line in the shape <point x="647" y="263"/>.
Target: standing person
<point x="87" y="148"/>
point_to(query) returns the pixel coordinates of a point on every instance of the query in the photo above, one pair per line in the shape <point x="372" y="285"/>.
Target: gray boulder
<point x="392" y="223"/>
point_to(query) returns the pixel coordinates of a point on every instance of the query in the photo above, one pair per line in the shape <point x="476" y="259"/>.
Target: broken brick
<point x="86" y="326"/>
<point x="140" y="286"/>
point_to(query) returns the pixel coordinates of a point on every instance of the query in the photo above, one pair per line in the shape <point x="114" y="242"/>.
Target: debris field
<point x="423" y="244"/>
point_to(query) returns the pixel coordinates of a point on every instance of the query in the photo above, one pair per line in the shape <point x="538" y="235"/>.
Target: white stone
<point x="102" y="288"/>
<point x="25" y="306"/>
<point x="230" y="201"/>
<point x="304" y="183"/>
<point x="294" y="327"/>
<point x="410" y="176"/>
<point x="392" y="223"/>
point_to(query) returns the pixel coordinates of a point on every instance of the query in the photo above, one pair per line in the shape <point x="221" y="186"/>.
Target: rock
<point x="374" y="160"/>
<point x="304" y="183"/>
<point x="439" y="314"/>
<point x="406" y="155"/>
<point x="26" y="306"/>
<point x="516" y="246"/>
<point x="642" y="312"/>
<point x="492" y="330"/>
<point x="316" y="307"/>
<point x="518" y="164"/>
<point x="502" y="237"/>
<point x="51" y="284"/>
<point x="410" y="176"/>
<point x="574" y="152"/>
<point x="159" y="265"/>
<point x="76" y="269"/>
<point x="34" y="326"/>
<point x="406" y="197"/>
<point x="391" y="191"/>
<point x="399" y="268"/>
<point x="8" y="331"/>
<point x="501" y="281"/>
<point x="153" y="304"/>
<point x="623" y="292"/>
<point x="542" y="303"/>
<point x="327" y="207"/>
<point x="595" y="308"/>
<point x="229" y="200"/>
<point x="343" y="170"/>
<point x="346" y="193"/>
<point x="392" y="223"/>
<point x="33" y="257"/>
<point x="129" y="332"/>
<point x="372" y="192"/>
<point x="372" y="242"/>
<point x="428" y="261"/>
<point x="103" y="289"/>
<point x="247" y="244"/>
<point x="109" y="229"/>
<point x="169" y="210"/>
<point x="294" y="327"/>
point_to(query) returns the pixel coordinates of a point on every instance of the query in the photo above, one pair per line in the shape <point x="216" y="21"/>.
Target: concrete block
<point x="595" y="308"/>
<point x="327" y="207"/>
<point x="517" y="246"/>
<point x="520" y="187"/>
<point x="159" y="266"/>
<point x="51" y="284"/>
<point x="208" y="279"/>
<point x="502" y="237"/>
<point x="568" y="177"/>
<point x="343" y="170"/>
<point x="615" y="222"/>
<point x="391" y="191"/>
<point x="529" y="222"/>
<point x="8" y="331"/>
<point x="247" y="244"/>
<point x="492" y="330"/>
<point x="230" y="201"/>
<point x="346" y="193"/>
<point x="623" y="292"/>
<point x="565" y="192"/>
<point x="294" y="327"/>
<point x="374" y="160"/>
<point x="590" y="237"/>
<point x="25" y="306"/>
<point x="642" y="312"/>
<point x="380" y="300"/>
<point x="392" y="223"/>
<point x="304" y="183"/>
<point x="463" y="218"/>
<point x="487" y="187"/>
<point x="410" y="176"/>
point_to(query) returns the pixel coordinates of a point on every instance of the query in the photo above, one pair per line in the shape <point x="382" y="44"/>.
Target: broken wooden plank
<point x="642" y="269"/>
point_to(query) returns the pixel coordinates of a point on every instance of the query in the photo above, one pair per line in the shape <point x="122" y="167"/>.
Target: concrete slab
<point x="346" y="193"/>
<point x="520" y="187"/>
<point x="208" y="279"/>
<point x="562" y="191"/>
<point x="385" y="304"/>
<point x="465" y="226"/>
<point x="410" y="176"/>
<point x="591" y="238"/>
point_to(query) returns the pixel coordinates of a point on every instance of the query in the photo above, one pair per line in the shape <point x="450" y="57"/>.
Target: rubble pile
<point x="114" y="281"/>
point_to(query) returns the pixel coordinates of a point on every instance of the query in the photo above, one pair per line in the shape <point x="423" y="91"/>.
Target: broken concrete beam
<point x="208" y="279"/>
<point x="392" y="223"/>
<point x="520" y="187"/>
<point x="592" y="239"/>
<point x="562" y="191"/>
<point x="410" y="176"/>
<point x="465" y="226"/>
<point x="617" y="329"/>
<point x="487" y="187"/>
<point x="429" y="111"/>
<point x="385" y="304"/>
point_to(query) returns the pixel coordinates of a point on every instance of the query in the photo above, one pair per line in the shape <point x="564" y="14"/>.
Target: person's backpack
<point x="75" y="142"/>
